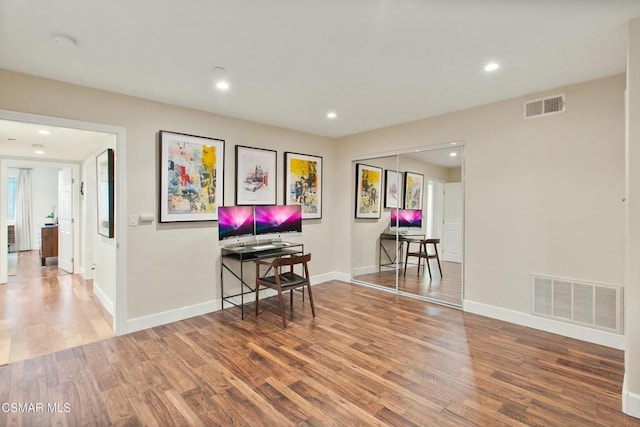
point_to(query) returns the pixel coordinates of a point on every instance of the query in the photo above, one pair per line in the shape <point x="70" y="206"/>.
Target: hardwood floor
<point x="446" y="288"/>
<point x="365" y="359"/>
<point x="43" y="309"/>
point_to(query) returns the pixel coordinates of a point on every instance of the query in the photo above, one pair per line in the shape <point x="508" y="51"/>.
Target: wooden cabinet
<point x="48" y="242"/>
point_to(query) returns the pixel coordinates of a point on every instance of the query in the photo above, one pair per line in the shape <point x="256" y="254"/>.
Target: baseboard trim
<point x="103" y="298"/>
<point x="186" y="312"/>
<point x="548" y="325"/>
<point x="630" y="401"/>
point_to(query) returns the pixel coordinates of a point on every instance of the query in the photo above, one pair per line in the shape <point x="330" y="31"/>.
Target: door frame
<point x="120" y="310"/>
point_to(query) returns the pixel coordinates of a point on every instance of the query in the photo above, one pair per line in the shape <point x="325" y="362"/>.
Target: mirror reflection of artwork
<point x="413" y="189"/>
<point x="303" y="184"/>
<point x="368" y="191"/>
<point x="191" y="177"/>
<point x="393" y="194"/>
<point x="255" y="176"/>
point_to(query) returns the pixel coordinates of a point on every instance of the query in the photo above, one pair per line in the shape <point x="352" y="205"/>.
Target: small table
<point x="250" y="253"/>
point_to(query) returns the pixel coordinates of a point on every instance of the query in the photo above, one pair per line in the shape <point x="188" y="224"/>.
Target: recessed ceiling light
<point x="37" y="148"/>
<point x="44" y="132"/>
<point x="220" y="78"/>
<point x="491" y="66"/>
<point x="453" y="154"/>
<point x="331" y="115"/>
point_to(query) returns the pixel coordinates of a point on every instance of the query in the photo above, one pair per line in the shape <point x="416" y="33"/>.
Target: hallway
<point x="44" y="309"/>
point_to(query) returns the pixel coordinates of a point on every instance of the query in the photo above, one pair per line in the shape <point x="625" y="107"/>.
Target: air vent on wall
<point x="588" y="304"/>
<point x="544" y="106"/>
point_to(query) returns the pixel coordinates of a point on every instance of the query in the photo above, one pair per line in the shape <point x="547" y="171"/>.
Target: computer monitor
<point x="235" y="223"/>
<point x="406" y="218"/>
<point x="277" y="220"/>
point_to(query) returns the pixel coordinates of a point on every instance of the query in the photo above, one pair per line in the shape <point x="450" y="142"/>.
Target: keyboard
<point x="261" y="247"/>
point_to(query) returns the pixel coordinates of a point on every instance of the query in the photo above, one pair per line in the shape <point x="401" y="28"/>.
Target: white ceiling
<point x="17" y="139"/>
<point x="376" y="63"/>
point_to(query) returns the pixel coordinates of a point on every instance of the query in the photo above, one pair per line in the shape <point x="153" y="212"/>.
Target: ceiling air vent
<point x="544" y="106"/>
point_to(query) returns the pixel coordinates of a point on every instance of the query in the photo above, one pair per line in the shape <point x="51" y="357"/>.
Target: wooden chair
<point x="423" y="253"/>
<point x="281" y="281"/>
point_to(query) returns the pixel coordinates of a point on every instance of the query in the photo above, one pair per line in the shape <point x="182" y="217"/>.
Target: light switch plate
<point x="133" y="219"/>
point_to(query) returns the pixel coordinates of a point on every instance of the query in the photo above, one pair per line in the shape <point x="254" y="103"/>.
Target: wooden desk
<point x="250" y="253"/>
<point x="48" y="242"/>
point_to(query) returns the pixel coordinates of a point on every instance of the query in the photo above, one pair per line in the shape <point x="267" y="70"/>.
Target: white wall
<point x="541" y="195"/>
<point x="631" y="389"/>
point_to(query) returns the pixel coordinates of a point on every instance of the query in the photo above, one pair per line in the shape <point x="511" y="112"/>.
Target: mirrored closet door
<point x="414" y="244"/>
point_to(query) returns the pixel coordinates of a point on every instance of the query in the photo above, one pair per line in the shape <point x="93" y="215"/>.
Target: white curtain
<point x="23" y="211"/>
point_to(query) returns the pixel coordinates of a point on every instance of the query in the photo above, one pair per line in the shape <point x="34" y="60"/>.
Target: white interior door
<point x="452" y="222"/>
<point x="65" y="220"/>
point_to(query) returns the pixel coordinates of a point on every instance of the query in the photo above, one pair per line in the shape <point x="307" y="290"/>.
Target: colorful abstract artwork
<point x="413" y="190"/>
<point x="393" y="189"/>
<point x="368" y="191"/>
<point x="191" y="177"/>
<point x="303" y="183"/>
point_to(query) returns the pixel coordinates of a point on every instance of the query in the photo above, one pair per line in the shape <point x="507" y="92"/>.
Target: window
<point x="11" y="193"/>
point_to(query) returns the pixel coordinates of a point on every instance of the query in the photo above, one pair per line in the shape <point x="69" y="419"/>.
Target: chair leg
<point x="291" y="298"/>
<point x="257" y="297"/>
<point x="426" y="261"/>
<point x="313" y="310"/>
<point x="406" y="260"/>
<point x="284" y="319"/>
<point x="438" y="259"/>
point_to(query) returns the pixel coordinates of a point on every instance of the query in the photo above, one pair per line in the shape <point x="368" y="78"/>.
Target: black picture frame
<point x="256" y="176"/>
<point x="191" y="177"/>
<point x="303" y="183"/>
<point x="105" y="180"/>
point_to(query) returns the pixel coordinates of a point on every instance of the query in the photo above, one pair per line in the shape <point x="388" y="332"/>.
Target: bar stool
<point x="423" y="253"/>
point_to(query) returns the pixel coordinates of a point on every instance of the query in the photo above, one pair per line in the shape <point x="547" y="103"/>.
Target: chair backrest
<point x="292" y="260"/>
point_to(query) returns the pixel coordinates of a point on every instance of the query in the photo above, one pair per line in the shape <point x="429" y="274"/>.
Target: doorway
<point x="82" y="216"/>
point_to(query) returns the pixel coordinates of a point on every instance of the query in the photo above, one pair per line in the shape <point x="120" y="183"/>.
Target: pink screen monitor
<point x="278" y="219"/>
<point x="235" y="222"/>
<point x="406" y="218"/>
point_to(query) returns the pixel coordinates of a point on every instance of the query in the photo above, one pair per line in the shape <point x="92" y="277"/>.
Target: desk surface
<point x="401" y="236"/>
<point x="259" y="251"/>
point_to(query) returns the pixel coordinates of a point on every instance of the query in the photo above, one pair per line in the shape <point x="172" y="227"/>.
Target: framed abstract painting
<point x="303" y="183"/>
<point x="413" y="190"/>
<point x="191" y="177"/>
<point x="393" y="189"/>
<point x="256" y="176"/>
<point x="368" y="191"/>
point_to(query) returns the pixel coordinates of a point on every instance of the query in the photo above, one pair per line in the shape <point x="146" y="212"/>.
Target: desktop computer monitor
<point x="406" y="218"/>
<point x="278" y="220"/>
<point x="235" y="223"/>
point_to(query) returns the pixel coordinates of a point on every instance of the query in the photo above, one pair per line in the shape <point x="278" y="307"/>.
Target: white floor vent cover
<point x="588" y="304"/>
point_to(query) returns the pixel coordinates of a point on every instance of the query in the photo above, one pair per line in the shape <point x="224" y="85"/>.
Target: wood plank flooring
<point x="446" y="288"/>
<point x="367" y="358"/>
<point x="43" y="309"/>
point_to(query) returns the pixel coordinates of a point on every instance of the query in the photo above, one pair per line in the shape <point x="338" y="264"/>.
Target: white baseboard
<point x="103" y="298"/>
<point x="169" y="316"/>
<point x="343" y="277"/>
<point x="630" y="401"/>
<point x="174" y="315"/>
<point x="582" y="333"/>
